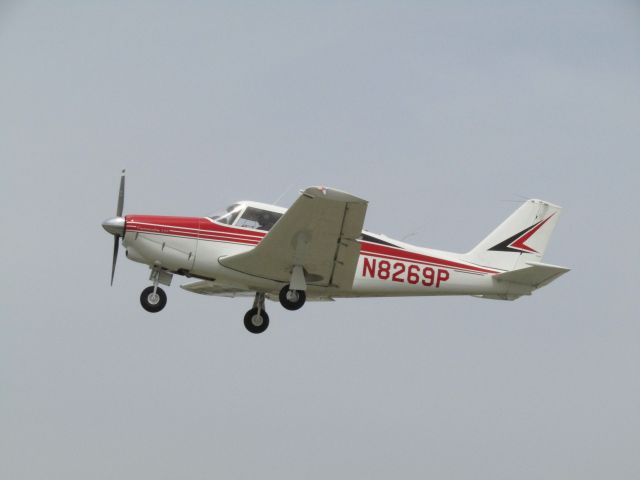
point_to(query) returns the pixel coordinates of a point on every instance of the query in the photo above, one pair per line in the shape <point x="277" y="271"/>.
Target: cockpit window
<point x="228" y="216"/>
<point x="258" y="219"/>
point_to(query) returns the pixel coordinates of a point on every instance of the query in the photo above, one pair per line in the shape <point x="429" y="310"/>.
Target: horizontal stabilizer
<point x="534" y="275"/>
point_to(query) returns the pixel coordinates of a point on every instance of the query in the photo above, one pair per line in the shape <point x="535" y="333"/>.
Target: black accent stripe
<point x="504" y="246"/>
<point x="369" y="238"/>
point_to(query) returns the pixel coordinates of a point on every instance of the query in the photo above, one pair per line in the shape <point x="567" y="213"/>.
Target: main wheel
<point x="292" y="299"/>
<point x="153" y="303"/>
<point x="254" y="322"/>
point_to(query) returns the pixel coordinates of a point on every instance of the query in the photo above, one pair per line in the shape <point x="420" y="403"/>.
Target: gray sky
<point x="442" y="115"/>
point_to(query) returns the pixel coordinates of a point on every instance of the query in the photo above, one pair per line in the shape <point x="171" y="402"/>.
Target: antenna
<point x="418" y="230"/>
<point x="521" y="197"/>
<point x="287" y="190"/>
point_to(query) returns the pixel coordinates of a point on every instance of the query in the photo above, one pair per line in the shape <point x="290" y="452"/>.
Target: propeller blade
<point x="120" y="197"/>
<point x="116" y="244"/>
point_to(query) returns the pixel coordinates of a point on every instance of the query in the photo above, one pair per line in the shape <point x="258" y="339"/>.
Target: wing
<point x="318" y="233"/>
<point x="215" y="289"/>
<point x="206" y="287"/>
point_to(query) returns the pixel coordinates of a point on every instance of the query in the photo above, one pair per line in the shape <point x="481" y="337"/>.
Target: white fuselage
<point x="192" y="247"/>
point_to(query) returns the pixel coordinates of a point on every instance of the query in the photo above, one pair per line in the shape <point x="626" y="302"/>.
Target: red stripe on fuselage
<point x="197" y="235"/>
<point x="406" y="255"/>
<point x="193" y="227"/>
<point x="206" y="229"/>
<point x="191" y="223"/>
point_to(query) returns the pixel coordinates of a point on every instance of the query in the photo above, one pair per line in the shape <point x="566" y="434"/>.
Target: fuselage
<point x="192" y="246"/>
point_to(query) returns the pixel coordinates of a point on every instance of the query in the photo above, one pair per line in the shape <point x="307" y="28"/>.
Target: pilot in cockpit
<point x="266" y="220"/>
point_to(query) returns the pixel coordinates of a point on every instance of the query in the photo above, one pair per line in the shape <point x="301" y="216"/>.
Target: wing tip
<point x="332" y="194"/>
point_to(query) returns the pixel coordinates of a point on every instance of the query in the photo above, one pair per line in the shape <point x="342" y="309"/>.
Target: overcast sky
<point x="444" y="115"/>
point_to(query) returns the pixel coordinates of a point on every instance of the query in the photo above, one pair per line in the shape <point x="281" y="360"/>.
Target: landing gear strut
<point x="256" y="320"/>
<point x="292" y="299"/>
<point x="153" y="299"/>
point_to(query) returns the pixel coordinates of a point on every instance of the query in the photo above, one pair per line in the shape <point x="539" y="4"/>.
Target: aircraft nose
<point x="114" y="225"/>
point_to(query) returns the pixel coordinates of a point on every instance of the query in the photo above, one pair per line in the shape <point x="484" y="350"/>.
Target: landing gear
<point x="292" y="299"/>
<point x="256" y="320"/>
<point x="153" y="299"/>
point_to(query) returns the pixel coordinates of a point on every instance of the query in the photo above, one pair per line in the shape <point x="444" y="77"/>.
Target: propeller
<point x="115" y="226"/>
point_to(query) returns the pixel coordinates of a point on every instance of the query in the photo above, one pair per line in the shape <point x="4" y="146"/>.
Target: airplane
<point x="317" y="250"/>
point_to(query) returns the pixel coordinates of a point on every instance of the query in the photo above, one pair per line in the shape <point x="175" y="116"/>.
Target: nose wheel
<point x="256" y="320"/>
<point x="153" y="299"/>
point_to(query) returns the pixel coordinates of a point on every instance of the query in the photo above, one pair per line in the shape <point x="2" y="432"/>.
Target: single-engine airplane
<point x="317" y="250"/>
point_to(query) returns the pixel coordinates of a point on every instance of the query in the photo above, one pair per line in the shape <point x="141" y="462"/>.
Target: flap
<point x="318" y="232"/>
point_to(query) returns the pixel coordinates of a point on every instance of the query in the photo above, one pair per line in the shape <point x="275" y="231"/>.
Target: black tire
<point x="149" y="303"/>
<point x="254" y="325"/>
<point x="292" y="303"/>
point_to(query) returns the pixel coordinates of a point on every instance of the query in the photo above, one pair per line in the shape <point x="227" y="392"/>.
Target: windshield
<point x="228" y="216"/>
<point x="258" y="219"/>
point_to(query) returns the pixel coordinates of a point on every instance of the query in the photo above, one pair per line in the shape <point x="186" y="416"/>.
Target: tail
<point x="520" y="239"/>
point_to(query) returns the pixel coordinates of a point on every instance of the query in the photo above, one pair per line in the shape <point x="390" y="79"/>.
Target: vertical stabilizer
<point x="521" y="238"/>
